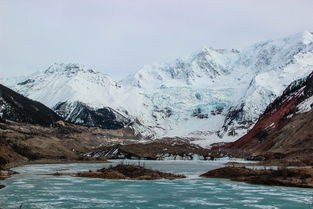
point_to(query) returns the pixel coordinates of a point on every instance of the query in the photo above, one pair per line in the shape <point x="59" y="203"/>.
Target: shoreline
<point x="51" y="161"/>
<point x="301" y="177"/>
<point x="254" y="178"/>
<point x="6" y="172"/>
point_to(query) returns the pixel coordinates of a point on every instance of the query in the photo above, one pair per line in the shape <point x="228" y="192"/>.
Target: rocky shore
<point x="293" y="177"/>
<point x="129" y="172"/>
<point x="4" y="173"/>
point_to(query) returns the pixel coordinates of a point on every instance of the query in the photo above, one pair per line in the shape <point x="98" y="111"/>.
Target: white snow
<point x="306" y="105"/>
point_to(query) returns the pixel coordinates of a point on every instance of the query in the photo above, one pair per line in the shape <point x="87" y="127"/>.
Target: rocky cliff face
<point x="284" y="130"/>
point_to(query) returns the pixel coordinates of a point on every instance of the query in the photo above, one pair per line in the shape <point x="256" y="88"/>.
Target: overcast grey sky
<point x="117" y="37"/>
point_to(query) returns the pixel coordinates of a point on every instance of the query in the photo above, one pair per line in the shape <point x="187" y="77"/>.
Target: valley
<point x="216" y="114"/>
<point x="156" y="104"/>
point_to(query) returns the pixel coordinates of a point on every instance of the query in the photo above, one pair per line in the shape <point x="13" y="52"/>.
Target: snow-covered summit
<point x="62" y="67"/>
<point x="208" y="64"/>
<point x="68" y="82"/>
<point x="195" y="70"/>
<point x="305" y="38"/>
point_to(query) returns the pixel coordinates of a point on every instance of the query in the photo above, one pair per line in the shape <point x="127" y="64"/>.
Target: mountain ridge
<point x="215" y="94"/>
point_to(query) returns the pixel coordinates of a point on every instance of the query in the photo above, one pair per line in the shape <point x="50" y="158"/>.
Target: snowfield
<point x="211" y="96"/>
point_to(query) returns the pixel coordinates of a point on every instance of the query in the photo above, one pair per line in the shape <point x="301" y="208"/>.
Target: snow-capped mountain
<point x="214" y="94"/>
<point x="284" y="130"/>
<point x="79" y="95"/>
<point x="226" y="88"/>
<point x="70" y="83"/>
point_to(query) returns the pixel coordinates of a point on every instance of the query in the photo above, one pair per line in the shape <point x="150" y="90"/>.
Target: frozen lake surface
<point x="33" y="189"/>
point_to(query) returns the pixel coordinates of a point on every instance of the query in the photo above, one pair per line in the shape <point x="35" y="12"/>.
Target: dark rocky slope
<point x="15" y="107"/>
<point x="82" y="114"/>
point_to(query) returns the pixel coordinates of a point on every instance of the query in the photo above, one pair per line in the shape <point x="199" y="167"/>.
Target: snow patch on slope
<point x="306" y="105"/>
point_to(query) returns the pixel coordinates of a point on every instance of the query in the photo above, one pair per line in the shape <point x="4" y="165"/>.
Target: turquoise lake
<point x="33" y="189"/>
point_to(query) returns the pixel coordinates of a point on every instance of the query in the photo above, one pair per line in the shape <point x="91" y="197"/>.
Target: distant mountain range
<point x="214" y="95"/>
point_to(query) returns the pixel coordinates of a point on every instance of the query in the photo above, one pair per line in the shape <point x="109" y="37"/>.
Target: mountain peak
<point x="304" y="37"/>
<point x="208" y="50"/>
<point x="68" y="68"/>
<point x="307" y="37"/>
